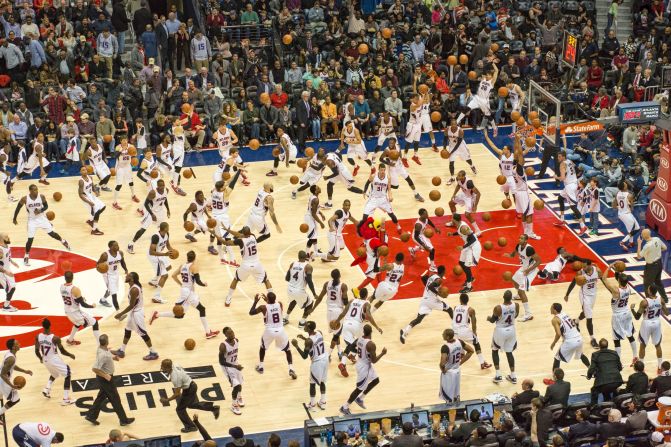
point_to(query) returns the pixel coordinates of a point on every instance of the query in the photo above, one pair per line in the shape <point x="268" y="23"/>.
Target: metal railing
<point x="236" y="33"/>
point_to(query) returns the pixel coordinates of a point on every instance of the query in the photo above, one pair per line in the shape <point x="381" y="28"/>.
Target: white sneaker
<point x="46" y="393"/>
<point x="67" y="401"/>
<point x="322" y="404"/>
<point x="158" y="300"/>
<point x="228" y="300"/>
<point x="312" y="407"/>
<point x="9" y="308"/>
<point x="525" y="317"/>
<point x="153" y="283"/>
<point x="240" y="402"/>
<point x="534" y="236"/>
<point x="235" y="409"/>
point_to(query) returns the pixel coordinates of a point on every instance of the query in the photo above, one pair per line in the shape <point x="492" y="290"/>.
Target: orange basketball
<point x="134" y="161"/>
<point x="174" y="254"/>
<point x="287" y="39"/>
<point x="452" y="60"/>
<point x="178" y="311"/>
<point x="189" y="226"/>
<point x="264" y="98"/>
<point x="254" y="144"/>
<point x="132" y="151"/>
<point x="436" y="181"/>
<point x="428" y="232"/>
<point x="494" y="47"/>
<point x="440" y="212"/>
<point x="51" y="215"/>
<point x="386" y="33"/>
<point x="89" y="169"/>
<point x="334" y="325"/>
<point x="394" y="154"/>
<point x="294" y="179"/>
<point x="529" y="171"/>
<point x="530" y="141"/>
<point x="188" y="173"/>
<point x="302" y="163"/>
<point x="444" y="154"/>
<point x="436" y="116"/>
<point x="102" y="267"/>
<point x="211" y="223"/>
<point x="532" y="115"/>
<point x="19" y="382"/>
<point x="107" y="138"/>
<point x="501" y="180"/>
<point x="536" y="122"/>
<point x="507" y="276"/>
<point x="423" y="89"/>
<point x="309" y="152"/>
<point x="539" y="204"/>
<point x="58" y="196"/>
<point x="515" y="115"/>
<point x="304" y="228"/>
<point x="189" y="344"/>
<point x="619" y="266"/>
<point x="502" y="241"/>
<point x="472" y="75"/>
<point x="112" y="172"/>
<point x="463" y="59"/>
<point x="488" y="245"/>
<point x="503" y="92"/>
<point x="521" y="122"/>
<point x="457" y="270"/>
<point x="154" y="173"/>
<point x="382" y="250"/>
<point x="226" y="176"/>
<point x="506" y="203"/>
<point x="405" y="237"/>
<point x="434" y="195"/>
<point x="577" y="265"/>
<point x="360" y="252"/>
<point x="580" y="280"/>
<point x="443" y="292"/>
<point x="363" y="48"/>
<point x="486" y="217"/>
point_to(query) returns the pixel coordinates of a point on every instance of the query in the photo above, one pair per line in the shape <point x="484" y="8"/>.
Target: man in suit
<point x="662" y="382"/>
<point x="527" y="394"/>
<point x="303" y="118"/>
<point x="581" y="429"/>
<point x="605" y="368"/>
<point x="637" y="383"/>
<point x="459" y="81"/>
<point x="558" y="390"/>
<point x="539" y="423"/>
<point x="162" y="37"/>
<point x="613" y="428"/>
<point x="204" y="77"/>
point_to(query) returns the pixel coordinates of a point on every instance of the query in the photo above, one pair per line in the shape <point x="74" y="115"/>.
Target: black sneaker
<point x="215" y="411"/>
<point x="127" y="422"/>
<point x="594" y="344"/>
<point x="93" y="421"/>
<point x="189" y="429"/>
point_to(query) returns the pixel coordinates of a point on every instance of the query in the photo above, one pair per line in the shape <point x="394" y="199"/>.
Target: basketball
<point x="294" y="179"/>
<point x="487" y="217"/>
<point x="187" y="173"/>
<point x="394" y="154"/>
<point x="488" y="245"/>
<point x="423" y="89"/>
<point x="521" y="122"/>
<point x="254" y="144"/>
<point x="226" y="176"/>
<point x="334" y="325"/>
<point x="189" y="226"/>
<point x="102" y="267"/>
<point x="436" y="117"/>
<point x="382" y="250"/>
<point x="309" y="152"/>
<point x="580" y="280"/>
<point x="186" y="108"/>
<point x="443" y="292"/>
<point x="405" y="237"/>
<point x="502" y="241"/>
<point x="211" y="223"/>
<point x="132" y="151"/>
<point x="529" y="171"/>
<point x="363" y="48"/>
<point x="536" y="123"/>
<point x="178" y="311"/>
<point x="304" y="227"/>
<point x="452" y="60"/>
<point x="494" y="47"/>
<point x="360" y="252"/>
<point x="619" y="266"/>
<point x="51" y="215"/>
<point x="19" y="382"/>
<point x="436" y="181"/>
<point x="264" y="98"/>
<point x="287" y="39"/>
<point x="386" y="33"/>
<point x="457" y="270"/>
<point x="276" y="152"/>
<point x="428" y="232"/>
<point x="514" y="116"/>
<point x="302" y="163"/>
<point x="532" y="115"/>
<point x="434" y="195"/>
<point x="134" y="161"/>
<point x="89" y="169"/>
<point x="472" y="75"/>
<point x="154" y="173"/>
<point x="503" y="92"/>
<point x="107" y="138"/>
<point x="440" y="212"/>
<point x="112" y="172"/>
<point x="530" y="141"/>
<point x="463" y="59"/>
<point x="174" y="254"/>
<point x="444" y="154"/>
<point x="507" y="276"/>
<point x="577" y="265"/>
<point x="501" y="179"/>
<point x="189" y="344"/>
<point x="58" y="196"/>
<point x="506" y="203"/>
<point x="67" y="265"/>
<point x="539" y="204"/>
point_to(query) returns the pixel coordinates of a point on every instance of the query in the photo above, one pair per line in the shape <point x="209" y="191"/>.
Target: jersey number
<point x="185" y="277"/>
<point x="276" y="318"/>
<point x="67" y="300"/>
<point x="45" y="350"/>
<point x="333" y="295"/>
<point x="458" y="318"/>
<point x="251" y="250"/>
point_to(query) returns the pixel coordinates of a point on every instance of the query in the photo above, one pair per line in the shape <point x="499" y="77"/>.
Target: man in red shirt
<point x="278" y="98"/>
<point x="192" y="125"/>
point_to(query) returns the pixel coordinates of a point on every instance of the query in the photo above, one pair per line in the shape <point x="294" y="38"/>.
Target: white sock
<point x="95" y="225"/>
<point x="481" y="358"/>
<point x="230" y="294"/>
<point x="96" y="334"/>
<point x="151" y="350"/>
<point x="634" y="348"/>
<point x="618" y="349"/>
<point x="132" y="189"/>
<point x="260" y="364"/>
<point x="323" y="398"/>
<point x="49" y="383"/>
<point x="513" y="375"/>
<point x="2" y="410"/>
<point x="659" y="362"/>
<point x="626" y="239"/>
<point x="116" y="195"/>
<point x="498" y="373"/>
<point x="66" y="394"/>
<point x="312" y="400"/>
<point x="157" y="293"/>
<point x="406" y="331"/>
<point x="527" y="308"/>
<point x="72" y="333"/>
<point x="166" y="314"/>
<point x="203" y="321"/>
<point x="123" y="347"/>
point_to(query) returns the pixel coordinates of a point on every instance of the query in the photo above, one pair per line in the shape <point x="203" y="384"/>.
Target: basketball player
<point x="453" y="354"/>
<point x="621" y="321"/>
<point x="232" y="369"/>
<point x="481" y="99"/>
<point x="339" y="172"/>
<point x="113" y="257"/>
<point x="95" y="154"/>
<point x="523" y="204"/>
<point x="388" y="288"/>
<point x="88" y="193"/>
<point x="565" y="328"/>
<point x="274" y="331"/>
<point x="351" y="136"/>
<point x="624" y="202"/>
<point x="313" y="172"/>
<point x="156" y="210"/>
<point x="148" y="165"/>
<point x="187" y="276"/>
<point x="5" y="174"/>
<point x="159" y="250"/>
<point x="505" y="335"/>
<point x="198" y="215"/>
<point x="7" y="279"/>
<point x="380" y="196"/>
<point x="430" y="300"/>
<point x="178" y="143"/>
<point x="250" y="264"/>
<point x="286" y="151"/>
<point x="220" y="201"/>
<point x="73" y="301"/>
<point x="464" y="324"/>
<point x="10" y="392"/>
<point x="468" y="196"/>
<point x="366" y="377"/>
<point x="319" y="363"/>
<point x="567" y="174"/>
<point x="553" y="269"/>
<point x="352" y="318"/>
<point x="425" y="118"/>
<point x="298" y="277"/>
<point x="166" y="162"/>
<point x="506" y="165"/>
<point x="124" y="171"/>
<point x="337" y="300"/>
<point x="135" y="323"/>
<point x="587" y="295"/>
<point x="26" y="165"/>
<point x="396" y="169"/>
<point x="36" y="207"/>
<point x="516" y="96"/>
<point x="312" y="217"/>
<point x="336" y="224"/>
<point x="470" y="253"/>
<point x="387" y="131"/>
<point x="263" y="204"/>
<point x="423" y="242"/>
<point x="140" y="135"/>
<point x="524" y="276"/>
<point x="413" y="130"/>
<point x="373" y="261"/>
<point x="48" y="348"/>
<point x="454" y="136"/>
<point x="651" y="308"/>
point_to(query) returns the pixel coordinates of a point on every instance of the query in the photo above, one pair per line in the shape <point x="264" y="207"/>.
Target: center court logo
<point x="37" y="293"/>
<point x="658" y="210"/>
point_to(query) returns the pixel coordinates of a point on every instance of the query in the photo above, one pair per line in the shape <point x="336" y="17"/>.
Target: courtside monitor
<point x="419" y="419"/>
<point x="486" y="410"/>
<point x="351" y="427"/>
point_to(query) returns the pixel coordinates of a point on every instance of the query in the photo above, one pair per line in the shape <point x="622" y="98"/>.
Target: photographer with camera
<point x="611" y="177"/>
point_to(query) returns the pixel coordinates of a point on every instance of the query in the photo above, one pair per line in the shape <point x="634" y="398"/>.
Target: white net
<point x="548" y="108"/>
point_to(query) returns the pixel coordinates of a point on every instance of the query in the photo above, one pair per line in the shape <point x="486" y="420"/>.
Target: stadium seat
<point x="523" y="7"/>
<point x="516" y="46"/>
<point x="622" y="400"/>
<point x="584" y="441"/>
<point x="599" y="412"/>
<point x="552" y="3"/>
<point x="557" y="411"/>
<point x="570" y="7"/>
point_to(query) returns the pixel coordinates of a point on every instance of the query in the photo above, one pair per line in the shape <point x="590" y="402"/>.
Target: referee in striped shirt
<point x="652" y="253"/>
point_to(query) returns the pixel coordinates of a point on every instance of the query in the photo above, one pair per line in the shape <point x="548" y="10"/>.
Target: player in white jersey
<point x="250" y="264"/>
<point x="220" y="202"/>
<point x="336" y="224"/>
<point x="506" y="165"/>
<point x="229" y="351"/>
<point x="589" y="277"/>
<point x="178" y="154"/>
<point x="198" y="215"/>
<point x="471" y="250"/>
<point x="124" y="171"/>
<point x="286" y="151"/>
<point x="387" y="289"/>
<point x="465" y="194"/>
<point x="36" y="208"/>
<point x="566" y="328"/>
<point x="387" y="130"/>
<point x="164" y="156"/>
<point x="413" y="130"/>
<point x="397" y="170"/>
<point x="464" y="324"/>
<point x="7" y="279"/>
<point x="187" y="276"/>
<point x="336" y="292"/>
<point x="424" y="243"/>
<point x="431" y="300"/>
<point x="315" y="348"/>
<point x="5" y="174"/>
<point x="523" y="205"/>
<point x="26" y="164"/>
<point x="225" y="138"/>
<point x="524" y="276"/>
<point x="351" y="136"/>
<point x="135" y="323"/>
<point x="366" y="376"/>
<point x="516" y="96"/>
<point x="481" y="99"/>
<point x="313" y="172"/>
<point x="140" y="135"/>
<point x="9" y="391"/>
<point x="621" y="321"/>
<point x="159" y="252"/>
<point x="594" y="205"/>
<point x="274" y="331"/>
<point x="505" y="335"/>
<point x="168" y="158"/>
<point x="113" y="258"/>
<point x="73" y="301"/>
<point x="312" y="217"/>
<point x="95" y="154"/>
<point x="298" y="277"/>
<point x="425" y="117"/>
<point x="453" y="354"/>
<point x="624" y="203"/>
<point x="263" y="204"/>
<point x="553" y="269"/>
<point x="36" y="434"/>
<point x="453" y="139"/>
<point x="48" y="348"/>
<point x="148" y="168"/>
<point x="339" y="173"/>
<point x="156" y="211"/>
<point x="88" y="193"/>
<point x="567" y="175"/>
<point x="380" y="196"/>
<point x="651" y="308"/>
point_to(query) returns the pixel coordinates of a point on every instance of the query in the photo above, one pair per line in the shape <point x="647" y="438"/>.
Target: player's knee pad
<point x="560" y="199"/>
<point x="410" y="182"/>
<point x="95" y="326"/>
<point x="313" y="389"/>
<point x="576" y="213"/>
<point x="495" y="356"/>
<point x="335" y="340"/>
<point x="511" y="359"/>
<point x="126" y="334"/>
<point x="178" y="169"/>
<point x="201" y="309"/>
<point x="418" y="319"/>
<point x="394" y="187"/>
<point x="146" y="338"/>
<point x="118" y="187"/>
<point x="322" y="387"/>
<point x="616" y="343"/>
<point x="477" y="347"/>
<point x="393" y="218"/>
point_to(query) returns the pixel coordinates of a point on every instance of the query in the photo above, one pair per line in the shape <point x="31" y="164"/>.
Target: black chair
<point x="621" y="401"/>
<point x="523" y="7"/>
<point x="648" y="401"/>
<point x="516" y="46"/>
<point x="552" y="3"/>
<point x="600" y="412"/>
<point x="585" y="441"/>
<point x="557" y="411"/>
<point x="569" y="414"/>
<point x="520" y="413"/>
<point x="570" y="7"/>
<point x="589" y="6"/>
<point x="666" y="393"/>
